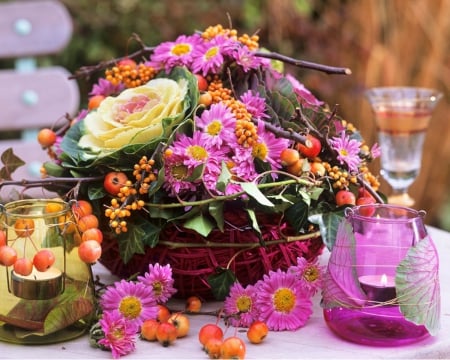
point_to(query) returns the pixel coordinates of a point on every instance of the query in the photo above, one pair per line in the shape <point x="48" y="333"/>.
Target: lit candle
<point x="378" y="288"/>
<point x="39" y="285"/>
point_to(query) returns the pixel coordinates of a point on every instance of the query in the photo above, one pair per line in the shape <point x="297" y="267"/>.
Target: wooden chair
<point x="33" y="97"/>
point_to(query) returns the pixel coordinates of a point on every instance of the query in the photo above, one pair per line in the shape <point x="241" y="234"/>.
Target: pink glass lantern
<point x="382" y="283"/>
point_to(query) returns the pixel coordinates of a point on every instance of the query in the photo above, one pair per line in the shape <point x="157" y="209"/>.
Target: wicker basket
<point x="193" y="258"/>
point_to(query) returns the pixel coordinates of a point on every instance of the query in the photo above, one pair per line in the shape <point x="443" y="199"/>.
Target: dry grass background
<point x="383" y="42"/>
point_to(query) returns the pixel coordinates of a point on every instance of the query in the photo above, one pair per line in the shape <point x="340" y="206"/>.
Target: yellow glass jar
<point x="47" y="292"/>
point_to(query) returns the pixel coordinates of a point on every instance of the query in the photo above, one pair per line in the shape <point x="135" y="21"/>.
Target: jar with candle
<point x="381" y="286"/>
<point x="47" y="292"/>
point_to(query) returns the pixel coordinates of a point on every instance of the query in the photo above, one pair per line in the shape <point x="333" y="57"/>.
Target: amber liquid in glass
<point x="401" y="135"/>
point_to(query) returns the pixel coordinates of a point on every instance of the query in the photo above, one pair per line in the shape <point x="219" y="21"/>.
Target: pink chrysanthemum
<point x="188" y="153"/>
<point x="283" y="303"/>
<point x="309" y="273"/>
<point x="347" y="149"/>
<point x="134" y="301"/>
<point x="268" y="147"/>
<point x="247" y="60"/>
<point x="120" y="334"/>
<point x="169" y="54"/>
<point x="254" y="104"/>
<point x="305" y="96"/>
<point x="160" y="279"/>
<point x="239" y="305"/>
<point x="209" y="57"/>
<point x="106" y="88"/>
<point x="218" y="124"/>
<point x="375" y="151"/>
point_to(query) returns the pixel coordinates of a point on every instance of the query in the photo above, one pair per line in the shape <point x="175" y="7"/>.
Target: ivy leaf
<point x="201" y="224"/>
<point x="252" y="190"/>
<point x="221" y="282"/>
<point x="132" y="243"/>
<point x="328" y="225"/>
<point x="297" y="215"/>
<point x="11" y="162"/>
<point x="216" y="211"/>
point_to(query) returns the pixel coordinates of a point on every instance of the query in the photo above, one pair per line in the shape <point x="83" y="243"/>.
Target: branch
<point x="304" y="64"/>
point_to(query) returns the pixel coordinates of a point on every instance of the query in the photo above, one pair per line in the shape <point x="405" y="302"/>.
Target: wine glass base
<point x="401" y="199"/>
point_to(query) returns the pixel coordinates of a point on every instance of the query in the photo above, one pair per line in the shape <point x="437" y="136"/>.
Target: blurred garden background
<point x="383" y="42"/>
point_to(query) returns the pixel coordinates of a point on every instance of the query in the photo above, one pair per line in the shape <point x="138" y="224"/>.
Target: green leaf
<point x="132" y="243"/>
<point x="11" y="162"/>
<point x="224" y="178"/>
<point x="254" y="220"/>
<point x="216" y="211"/>
<point x="328" y="225"/>
<point x="221" y="282"/>
<point x="199" y="223"/>
<point x="297" y="215"/>
<point x="252" y="190"/>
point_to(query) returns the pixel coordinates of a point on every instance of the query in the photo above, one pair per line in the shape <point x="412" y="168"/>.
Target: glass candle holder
<point x="381" y="286"/>
<point x="47" y="292"/>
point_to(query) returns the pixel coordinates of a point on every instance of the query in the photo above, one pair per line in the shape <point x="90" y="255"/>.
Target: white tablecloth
<point x="314" y="341"/>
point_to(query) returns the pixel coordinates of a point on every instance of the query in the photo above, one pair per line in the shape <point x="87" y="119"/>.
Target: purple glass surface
<point x="375" y="326"/>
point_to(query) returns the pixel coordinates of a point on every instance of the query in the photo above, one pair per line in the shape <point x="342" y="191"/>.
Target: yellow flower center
<point x="117" y="333"/>
<point x="179" y="172"/>
<point x="260" y="151"/>
<point x="284" y="300"/>
<point x="211" y="52"/>
<point x="244" y="303"/>
<point x="197" y="152"/>
<point x="311" y="273"/>
<point x="157" y="288"/>
<point x="214" y="127"/>
<point x="181" y="49"/>
<point x="130" y="307"/>
<point x="344" y="152"/>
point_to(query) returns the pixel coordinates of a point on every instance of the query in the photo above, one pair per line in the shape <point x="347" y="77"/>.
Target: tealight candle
<point x="39" y="285"/>
<point x="379" y="288"/>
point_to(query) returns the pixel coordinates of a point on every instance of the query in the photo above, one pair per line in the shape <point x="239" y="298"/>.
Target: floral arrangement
<point x="281" y="300"/>
<point x="191" y="132"/>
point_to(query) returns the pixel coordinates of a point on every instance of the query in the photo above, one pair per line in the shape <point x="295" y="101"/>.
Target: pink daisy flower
<point x="247" y="60"/>
<point x="282" y="302"/>
<point x="120" y="334"/>
<point x="239" y="305"/>
<point x="160" y="279"/>
<point x="309" y="273"/>
<point x="347" y="149"/>
<point x="269" y="147"/>
<point x="304" y="95"/>
<point x="134" y="301"/>
<point x="169" y="54"/>
<point x="375" y="151"/>
<point x="106" y="88"/>
<point x="255" y="104"/>
<point x="188" y="153"/>
<point x="218" y="124"/>
<point x="209" y="57"/>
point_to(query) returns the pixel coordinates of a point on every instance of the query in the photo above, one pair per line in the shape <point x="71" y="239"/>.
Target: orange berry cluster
<point x="340" y="178"/>
<point x="250" y="41"/>
<point x="131" y="76"/>
<point x="213" y="31"/>
<point x="129" y="198"/>
<point x="218" y="91"/>
<point x="246" y="133"/>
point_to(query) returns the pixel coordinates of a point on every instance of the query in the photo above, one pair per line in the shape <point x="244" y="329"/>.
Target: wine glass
<point x="402" y="116"/>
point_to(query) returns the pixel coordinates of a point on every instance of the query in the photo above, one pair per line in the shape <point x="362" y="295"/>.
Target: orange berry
<point x="87" y="222"/>
<point x="92" y="234"/>
<point x="148" y="329"/>
<point x="89" y="251"/>
<point x="289" y="156"/>
<point x="81" y="208"/>
<point x="232" y="348"/>
<point x="24" y="227"/>
<point x="94" y="101"/>
<point x="257" y="332"/>
<point x="46" y="137"/>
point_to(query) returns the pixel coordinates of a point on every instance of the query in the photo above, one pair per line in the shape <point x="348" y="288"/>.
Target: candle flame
<point x="383" y="280"/>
